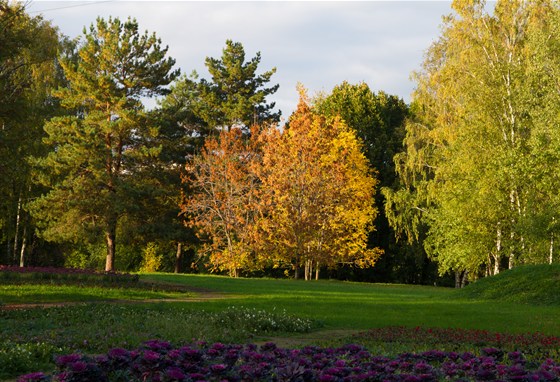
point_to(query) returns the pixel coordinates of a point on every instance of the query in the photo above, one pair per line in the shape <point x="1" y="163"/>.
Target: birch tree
<point x="28" y="74"/>
<point x="468" y="172"/>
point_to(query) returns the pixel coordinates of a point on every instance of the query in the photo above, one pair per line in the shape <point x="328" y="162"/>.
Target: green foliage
<point x="378" y="119"/>
<point x="152" y="259"/>
<point x="477" y="175"/>
<point x="28" y="74"/>
<point x="234" y="96"/>
<point x="99" y="149"/>
<point x="527" y="284"/>
<point x="18" y="358"/>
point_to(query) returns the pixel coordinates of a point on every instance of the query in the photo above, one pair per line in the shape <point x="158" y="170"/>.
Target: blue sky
<point x="317" y="43"/>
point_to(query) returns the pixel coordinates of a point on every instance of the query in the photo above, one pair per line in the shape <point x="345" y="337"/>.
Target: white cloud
<point x="319" y="44"/>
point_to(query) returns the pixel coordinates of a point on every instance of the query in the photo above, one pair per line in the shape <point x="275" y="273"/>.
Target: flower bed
<point x="159" y="361"/>
<point x="460" y="336"/>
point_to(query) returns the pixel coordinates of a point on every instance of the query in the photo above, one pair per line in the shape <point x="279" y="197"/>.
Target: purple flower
<point x="33" y="377"/>
<point x="151" y="356"/>
<point x="196" y="376"/>
<point x="157" y="345"/>
<point x="118" y="353"/>
<point x="65" y="360"/>
<point x="175" y="373"/>
<point x="218" y="368"/>
<point x="79" y="367"/>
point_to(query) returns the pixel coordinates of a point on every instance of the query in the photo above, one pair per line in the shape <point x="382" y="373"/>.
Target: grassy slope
<point x="529" y="284"/>
<point x="342" y="305"/>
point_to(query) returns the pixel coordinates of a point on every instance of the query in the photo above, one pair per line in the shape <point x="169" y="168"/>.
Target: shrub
<point x="152" y="259"/>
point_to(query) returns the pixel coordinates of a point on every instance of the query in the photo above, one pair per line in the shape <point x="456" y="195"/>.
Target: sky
<point x="317" y="43"/>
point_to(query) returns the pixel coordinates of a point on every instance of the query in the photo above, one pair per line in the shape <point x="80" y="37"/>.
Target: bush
<point x="152" y="259"/>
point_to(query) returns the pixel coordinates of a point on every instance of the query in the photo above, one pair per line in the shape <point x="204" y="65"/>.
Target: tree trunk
<point x="178" y="258"/>
<point x="110" y="239"/>
<point x="498" y="250"/>
<point x="317" y="271"/>
<point x="23" y="245"/>
<point x="16" y="234"/>
<point x="551" y="250"/>
<point x="464" y="278"/>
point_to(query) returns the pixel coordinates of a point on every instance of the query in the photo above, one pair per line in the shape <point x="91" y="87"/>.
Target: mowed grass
<point x="46" y="293"/>
<point x="346" y="305"/>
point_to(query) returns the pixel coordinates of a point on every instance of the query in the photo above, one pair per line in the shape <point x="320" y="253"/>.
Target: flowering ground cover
<point x="391" y="340"/>
<point x="160" y="361"/>
<point x="31" y="338"/>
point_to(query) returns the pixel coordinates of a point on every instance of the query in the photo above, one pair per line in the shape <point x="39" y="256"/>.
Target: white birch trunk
<point x="498" y="250"/>
<point x="23" y="246"/>
<point x="551" y="250"/>
<point x="16" y="234"/>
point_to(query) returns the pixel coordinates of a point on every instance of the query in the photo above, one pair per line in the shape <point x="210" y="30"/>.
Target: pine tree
<point x="100" y="147"/>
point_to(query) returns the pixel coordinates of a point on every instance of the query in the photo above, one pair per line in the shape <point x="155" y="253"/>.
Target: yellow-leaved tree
<point x="316" y="194"/>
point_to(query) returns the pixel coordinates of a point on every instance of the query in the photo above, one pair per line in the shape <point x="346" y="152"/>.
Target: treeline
<point x="464" y="177"/>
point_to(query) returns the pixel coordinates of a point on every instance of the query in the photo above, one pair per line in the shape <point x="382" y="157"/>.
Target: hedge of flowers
<point x="14" y="273"/>
<point x="159" y="361"/>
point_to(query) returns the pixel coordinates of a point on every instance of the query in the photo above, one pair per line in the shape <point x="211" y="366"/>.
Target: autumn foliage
<point x="298" y="199"/>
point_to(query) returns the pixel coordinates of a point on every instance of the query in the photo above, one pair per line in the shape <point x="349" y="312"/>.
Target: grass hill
<point x="527" y="284"/>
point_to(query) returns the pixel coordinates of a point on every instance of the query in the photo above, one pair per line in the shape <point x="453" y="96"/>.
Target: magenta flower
<point x="151" y="356"/>
<point x="78" y="367"/>
<point x="175" y="373"/>
<point x="33" y="377"/>
<point x="118" y="353"/>
<point x="218" y="368"/>
<point x="65" y="360"/>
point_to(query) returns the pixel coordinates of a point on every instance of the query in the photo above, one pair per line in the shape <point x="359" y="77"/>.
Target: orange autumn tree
<point x="221" y="201"/>
<point x="317" y="194"/>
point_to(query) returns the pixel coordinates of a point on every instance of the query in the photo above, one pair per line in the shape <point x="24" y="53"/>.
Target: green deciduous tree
<point x="101" y="148"/>
<point x="475" y="167"/>
<point x="28" y="73"/>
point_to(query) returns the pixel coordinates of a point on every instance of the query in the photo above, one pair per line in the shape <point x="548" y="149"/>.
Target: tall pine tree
<point x="102" y="145"/>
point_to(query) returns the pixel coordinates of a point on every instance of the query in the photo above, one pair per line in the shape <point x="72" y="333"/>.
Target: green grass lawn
<point x="45" y="293"/>
<point x="345" y="305"/>
<point x="254" y="310"/>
